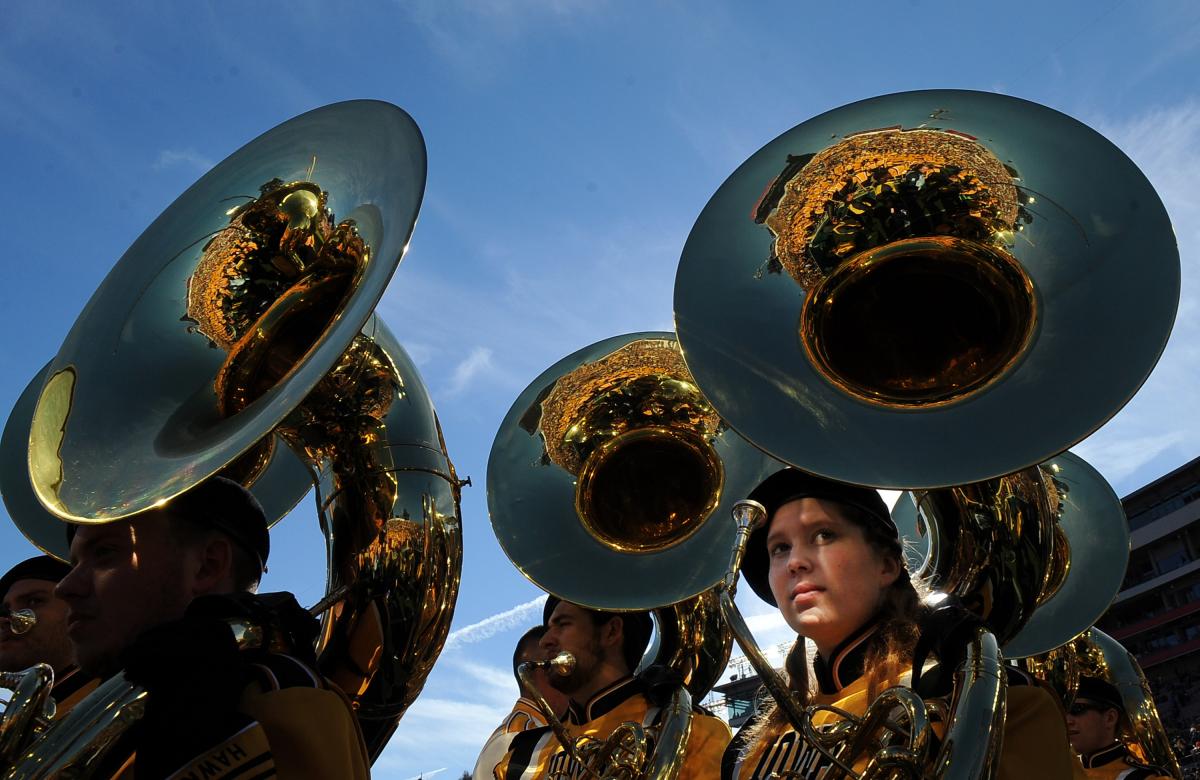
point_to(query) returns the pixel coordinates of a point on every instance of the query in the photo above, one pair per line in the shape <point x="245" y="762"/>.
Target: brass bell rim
<point x="727" y="297"/>
<point x="600" y="457"/>
<point x="279" y="488"/>
<point x="1011" y="291"/>
<point x="171" y="455"/>
<point x="531" y="503"/>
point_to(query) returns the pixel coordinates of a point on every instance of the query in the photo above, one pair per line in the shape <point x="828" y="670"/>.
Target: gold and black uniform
<point x="525" y="715"/>
<point x="536" y="753"/>
<point x="290" y="724"/>
<point x="1035" y="736"/>
<point x="1115" y="762"/>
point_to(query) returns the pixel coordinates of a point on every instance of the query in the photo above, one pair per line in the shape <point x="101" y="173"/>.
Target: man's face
<point x="47" y="641"/>
<point x="571" y="629"/>
<point x="1091" y="727"/>
<point x="127" y="576"/>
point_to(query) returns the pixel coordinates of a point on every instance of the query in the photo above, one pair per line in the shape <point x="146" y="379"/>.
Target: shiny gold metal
<point x="919" y="267"/>
<point x="19" y="620"/>
<point x="630" y="752"/>
<point x="881" y="356"/>
<point x="1016" y="549"/>
<point x="1099" y="655"/>
<point x="632" y="413"/>
<point x="616" y="455"/>
<point x="27" y="712"/>
<point x="268" y="317"/>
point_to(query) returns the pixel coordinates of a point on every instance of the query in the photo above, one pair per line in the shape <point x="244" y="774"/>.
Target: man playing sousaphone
<point x="829" y="558"/>
<point x="33" y="628"/>
<point x="604" y="693"/>
<point x="155" y="595"/>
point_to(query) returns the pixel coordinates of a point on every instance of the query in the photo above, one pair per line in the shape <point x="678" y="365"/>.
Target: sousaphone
<point x="927" y="289"/>
<point x="236" y="336"/>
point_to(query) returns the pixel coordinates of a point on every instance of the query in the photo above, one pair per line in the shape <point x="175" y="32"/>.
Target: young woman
<point x="830" y="559"/>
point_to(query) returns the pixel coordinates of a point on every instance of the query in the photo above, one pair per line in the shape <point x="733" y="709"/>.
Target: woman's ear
<point x="890" y="570"/>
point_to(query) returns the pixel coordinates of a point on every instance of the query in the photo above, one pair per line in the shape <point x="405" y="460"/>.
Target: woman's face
<point x="827" y="580"/>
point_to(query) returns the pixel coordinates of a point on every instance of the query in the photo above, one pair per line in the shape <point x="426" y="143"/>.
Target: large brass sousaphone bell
<point x="605" y="472"/>
<point x="236" y="336"/>
<point x="927" y="289"/>
<point x="1039" y="554"/>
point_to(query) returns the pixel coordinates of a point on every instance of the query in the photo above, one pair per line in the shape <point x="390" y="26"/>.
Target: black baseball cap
<point x="43" y="567"/>
<point x="1098" y="692"/>
<point x="789" y="485"/>
<point x="222" y="504"/>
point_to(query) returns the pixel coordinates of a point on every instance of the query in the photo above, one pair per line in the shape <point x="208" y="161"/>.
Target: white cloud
<point x="170" y="158"/>
<point x="478" y="362"/>
<point x="1155" y="431"/>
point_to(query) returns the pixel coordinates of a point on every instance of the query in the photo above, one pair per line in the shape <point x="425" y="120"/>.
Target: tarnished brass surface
<point x="1039" y="568"/>
<point x="616" y="456"/>
<point x="924" y="268"/>
<point x="1099" y="655"/>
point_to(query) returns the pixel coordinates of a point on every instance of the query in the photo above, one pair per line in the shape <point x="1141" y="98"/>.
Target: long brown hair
<point x="889" y="649"/>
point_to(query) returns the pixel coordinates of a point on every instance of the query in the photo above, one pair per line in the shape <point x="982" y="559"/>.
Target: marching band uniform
<point x="1115" y="762"/>
<point x="536" y="753"/>
<point x="525" y="715"/>
<point x="283" y="720"/>
<point x="1035" y="739"/>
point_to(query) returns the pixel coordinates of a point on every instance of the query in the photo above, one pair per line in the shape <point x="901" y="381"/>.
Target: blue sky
<point x="571" y="145"/>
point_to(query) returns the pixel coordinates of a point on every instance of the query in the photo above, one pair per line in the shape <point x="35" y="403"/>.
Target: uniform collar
<point x="848" y="660"/>
<point x="605" y="700"/>
<point x="1105" y="755"/>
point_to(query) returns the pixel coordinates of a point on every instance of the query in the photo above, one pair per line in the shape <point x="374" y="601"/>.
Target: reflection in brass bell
<point x="611" y="478"/>
<point x="1039" y="554"/>
<point x="879" y="293"/>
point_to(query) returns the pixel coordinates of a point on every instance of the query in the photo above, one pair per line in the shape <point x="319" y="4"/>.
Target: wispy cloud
<point x="491" y="626"/>
<point x="476" y="37"/>
<point x="170" y="158"/>
<point x="478" y="362"/>
<point x="1151" y="434"/>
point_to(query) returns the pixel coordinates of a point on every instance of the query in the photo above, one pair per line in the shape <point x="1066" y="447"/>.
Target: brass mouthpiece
<point x="20" y="620"/>
<point x="562" y="664"/>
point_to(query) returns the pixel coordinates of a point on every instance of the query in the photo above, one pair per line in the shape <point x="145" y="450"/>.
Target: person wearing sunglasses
<point x="1094" y="723"/>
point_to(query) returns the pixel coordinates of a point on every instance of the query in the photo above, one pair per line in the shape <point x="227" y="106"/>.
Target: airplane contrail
<point x="490" y="626"/>
<point x="425" y="775"/>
